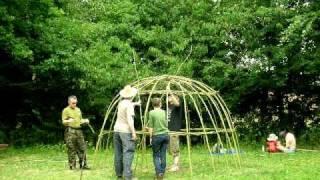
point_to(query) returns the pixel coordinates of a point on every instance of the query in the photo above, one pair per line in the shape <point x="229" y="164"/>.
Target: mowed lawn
<point x="49" y="162"/>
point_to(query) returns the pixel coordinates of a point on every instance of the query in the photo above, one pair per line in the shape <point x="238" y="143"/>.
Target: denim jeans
<point x="159" y="148"/>
<point x="124" y="148"/>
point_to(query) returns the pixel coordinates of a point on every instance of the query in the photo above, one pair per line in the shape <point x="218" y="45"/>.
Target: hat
<point x="272" y="137"/>
<point x="128" y="91"/>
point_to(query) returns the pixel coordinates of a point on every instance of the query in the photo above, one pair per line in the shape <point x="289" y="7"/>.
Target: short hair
<point x="283" y="133"/>
<point x="156" y="102"/>
<point x="173" y="95"/>
<point x="72" y="97"/>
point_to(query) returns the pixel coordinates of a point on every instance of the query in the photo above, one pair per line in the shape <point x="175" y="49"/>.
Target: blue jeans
<point x="124" y="148"/>
<point x="159" y="148"/>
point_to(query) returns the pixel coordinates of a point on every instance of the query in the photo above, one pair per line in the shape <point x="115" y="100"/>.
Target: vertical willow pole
<point x="188" y="132"/>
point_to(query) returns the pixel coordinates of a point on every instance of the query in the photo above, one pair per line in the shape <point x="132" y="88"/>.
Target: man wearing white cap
<point x="125" y="134"/>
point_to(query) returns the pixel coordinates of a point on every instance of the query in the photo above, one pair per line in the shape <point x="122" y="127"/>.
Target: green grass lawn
<point x="49" y="162"/>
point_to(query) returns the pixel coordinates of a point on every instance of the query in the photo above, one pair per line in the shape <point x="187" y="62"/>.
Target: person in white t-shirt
<point x="290" y="145"/>
<point x="124" y="133"/>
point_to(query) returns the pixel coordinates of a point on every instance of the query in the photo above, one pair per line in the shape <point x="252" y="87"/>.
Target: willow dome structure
<point x="205" y="112"/>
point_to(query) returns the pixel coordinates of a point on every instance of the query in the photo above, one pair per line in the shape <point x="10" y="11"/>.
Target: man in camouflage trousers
<point x="72" y="120"/>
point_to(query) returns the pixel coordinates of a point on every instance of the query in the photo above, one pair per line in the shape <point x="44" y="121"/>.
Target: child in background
<point x="272" y="143"/>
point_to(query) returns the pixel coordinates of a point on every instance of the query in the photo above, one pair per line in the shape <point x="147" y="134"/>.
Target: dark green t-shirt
<point x="158" y="121"/>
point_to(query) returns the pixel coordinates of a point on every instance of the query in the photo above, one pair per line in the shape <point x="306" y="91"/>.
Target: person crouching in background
<point x="272" y="143"/>
<point x="290" y="146"/>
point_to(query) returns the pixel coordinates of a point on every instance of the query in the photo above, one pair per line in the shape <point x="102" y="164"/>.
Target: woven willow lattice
<point x="202" y="106"/>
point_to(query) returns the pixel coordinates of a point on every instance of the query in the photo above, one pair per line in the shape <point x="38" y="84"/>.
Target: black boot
<point x="83" y="166"/>
<point x="72" y="166"/>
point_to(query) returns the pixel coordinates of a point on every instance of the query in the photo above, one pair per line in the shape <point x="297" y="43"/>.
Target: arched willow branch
<point x="211" y="113"/>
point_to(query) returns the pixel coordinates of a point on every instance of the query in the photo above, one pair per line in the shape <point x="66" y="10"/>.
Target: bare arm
<point x="138" y="103"/>
<point x="85" y="121"/>
<point x="131" y="124"/>
<point x="150" y="131"/>
<point x="175" y="101"/>
<point x="150" y="127"/>
<point x="66" y="119"/>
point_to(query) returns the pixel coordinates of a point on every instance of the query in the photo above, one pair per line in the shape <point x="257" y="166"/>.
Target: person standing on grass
<point x="175" y="118"/>
<point x="72" y="120"/>
<point x="158" y="129"/>
<point x="124" y="134"/>
<point x="290" y="142"/>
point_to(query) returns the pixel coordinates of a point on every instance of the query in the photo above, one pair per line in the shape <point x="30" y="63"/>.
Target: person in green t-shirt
<point x="158" y="129"/>
<point x="72" y="120"/>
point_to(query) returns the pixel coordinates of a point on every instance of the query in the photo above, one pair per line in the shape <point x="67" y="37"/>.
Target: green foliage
<point x="2" y="137"/>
